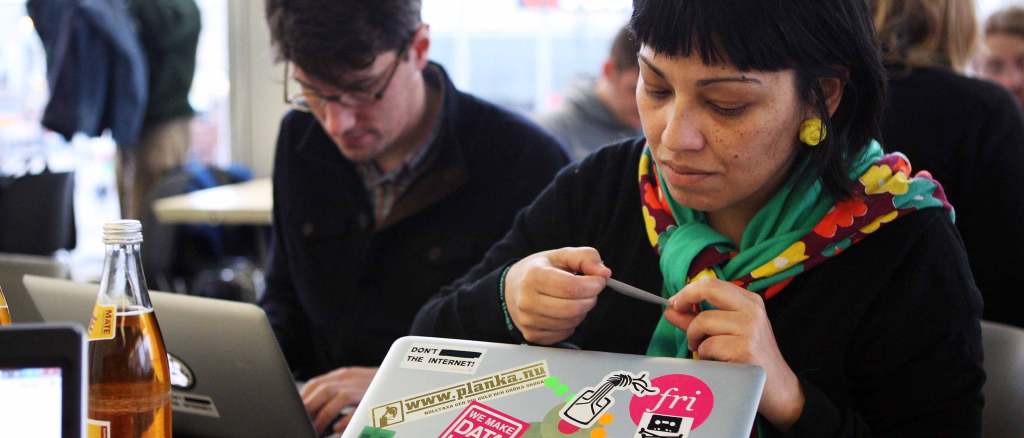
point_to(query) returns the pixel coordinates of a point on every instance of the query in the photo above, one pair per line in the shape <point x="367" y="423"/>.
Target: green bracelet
<point x="504" y="306"/>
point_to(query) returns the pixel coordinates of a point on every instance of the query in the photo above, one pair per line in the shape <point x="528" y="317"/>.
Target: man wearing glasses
<point x="388" y="184"/>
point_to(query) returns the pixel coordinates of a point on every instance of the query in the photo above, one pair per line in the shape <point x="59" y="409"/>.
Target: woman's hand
<point x="546" y="299"/>
<point x="738" y="331"/>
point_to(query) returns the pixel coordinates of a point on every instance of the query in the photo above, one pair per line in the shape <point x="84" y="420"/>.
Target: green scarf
<point x="775" y="244"/>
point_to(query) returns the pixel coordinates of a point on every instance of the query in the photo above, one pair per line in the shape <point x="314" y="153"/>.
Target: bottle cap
<point x="122" y="232"/>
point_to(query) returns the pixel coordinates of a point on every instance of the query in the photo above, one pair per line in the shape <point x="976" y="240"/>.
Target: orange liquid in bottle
<point x="5" y="314"/>
<point x="129" y="380"/>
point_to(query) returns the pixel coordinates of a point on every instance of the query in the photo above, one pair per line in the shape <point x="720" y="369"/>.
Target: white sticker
<point x="422" y="405"/>
<point x="654" y="425"/>
<point x="193" y="404"/>
<point x="448" y="358"/>
<point x="590" y="403"/>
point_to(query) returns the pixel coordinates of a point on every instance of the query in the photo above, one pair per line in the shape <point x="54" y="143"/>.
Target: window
<point x="25" y="145"/>
<point x="526" y="59"/>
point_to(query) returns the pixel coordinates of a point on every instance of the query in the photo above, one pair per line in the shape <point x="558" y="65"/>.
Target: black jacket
<point x="970" y="135"/>
<point x="95" y="67"/>
<point x="884" y="336"/>
<point x="340" y="288"/>
<point x="169" y="32"/>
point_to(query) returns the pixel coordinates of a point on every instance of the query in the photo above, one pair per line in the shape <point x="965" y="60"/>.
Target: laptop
<point x="228" y="375"/>
<point x="42" y="381"/>
<point x="457" y="388"/>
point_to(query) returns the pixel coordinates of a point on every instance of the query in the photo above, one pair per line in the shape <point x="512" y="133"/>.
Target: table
<point x="246" y="203"/>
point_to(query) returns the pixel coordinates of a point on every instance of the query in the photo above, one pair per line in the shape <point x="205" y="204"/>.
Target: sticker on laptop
<point x="682" y="395"/>
<point x="479" y="420"/>
<point x="195" y="404"/>
<point x="447" y="358"/>
<point x="374" y="432"/>
<point x="590" y="403"/>
<point x="491" y="386"/>
<point x="663" y="426"/>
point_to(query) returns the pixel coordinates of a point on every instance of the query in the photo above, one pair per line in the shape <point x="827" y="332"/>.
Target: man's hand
<point x="326" y="395"/>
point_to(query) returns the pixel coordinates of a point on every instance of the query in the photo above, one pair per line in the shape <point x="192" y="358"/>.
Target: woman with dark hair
<point x="968" y="133"/>
<point x="758" y="202"/>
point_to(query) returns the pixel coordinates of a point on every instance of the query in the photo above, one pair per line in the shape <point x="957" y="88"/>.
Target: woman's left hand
<point x="738" y="331"/>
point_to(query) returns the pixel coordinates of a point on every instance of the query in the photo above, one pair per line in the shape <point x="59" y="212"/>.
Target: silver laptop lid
<point x="456" y="388"/>
<point x="229" y="376"/>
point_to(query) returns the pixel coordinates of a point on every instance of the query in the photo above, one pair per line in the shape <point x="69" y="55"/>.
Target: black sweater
<point x="341" y="288"/>
<point x="970" y="135"/>
<point x="884" y="337"/>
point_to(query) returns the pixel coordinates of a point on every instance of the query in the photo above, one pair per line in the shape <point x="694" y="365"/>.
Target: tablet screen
<point x="30" y="402"/>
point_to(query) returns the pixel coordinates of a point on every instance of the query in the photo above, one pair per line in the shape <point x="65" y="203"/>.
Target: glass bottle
<point x="5" y="313"/>
<point x="129" y="379"/>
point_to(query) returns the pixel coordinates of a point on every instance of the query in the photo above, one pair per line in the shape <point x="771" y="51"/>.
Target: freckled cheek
<point x="653" y="126"/>
<point x="737" y="144"/>
<point x="723" y="137"/>
<point x="748" y="151"/>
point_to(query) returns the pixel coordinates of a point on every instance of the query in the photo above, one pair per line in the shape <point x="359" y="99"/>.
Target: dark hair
<point x="330" y="38"/>
<point x="624" y="49"/>
<point x="1009" y="21"/>
<point x="816" y="38"/>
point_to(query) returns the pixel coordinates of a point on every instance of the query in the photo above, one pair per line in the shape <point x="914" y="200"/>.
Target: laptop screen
<point x="31" y="402"/>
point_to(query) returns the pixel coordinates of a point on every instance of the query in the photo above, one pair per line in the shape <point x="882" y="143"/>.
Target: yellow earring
<point x="812" y="131"/>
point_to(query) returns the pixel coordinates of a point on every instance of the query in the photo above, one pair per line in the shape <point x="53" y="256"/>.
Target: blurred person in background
<point x="169" y="33"/>
<point x="388" y="184"/>
<point x="603" y="110"/>
<point x="1000" y="55"/>
<point x="967" y="132"/>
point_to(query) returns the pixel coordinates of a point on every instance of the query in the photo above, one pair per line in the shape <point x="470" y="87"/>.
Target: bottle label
<point x="97" y="429"/>
<point x="103" y="325"/>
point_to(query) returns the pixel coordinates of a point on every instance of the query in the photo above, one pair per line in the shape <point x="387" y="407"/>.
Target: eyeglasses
<point x="309" y="100"/>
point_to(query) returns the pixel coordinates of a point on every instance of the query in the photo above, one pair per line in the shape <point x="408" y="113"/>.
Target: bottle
<point x="129" y="378"/>
<point x="5" y="314"/>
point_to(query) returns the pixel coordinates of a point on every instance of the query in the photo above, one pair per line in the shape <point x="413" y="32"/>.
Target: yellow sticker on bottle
<point x="97" y="429"/>
<point x="3" y="302"/>
<point x="103" y="325"/>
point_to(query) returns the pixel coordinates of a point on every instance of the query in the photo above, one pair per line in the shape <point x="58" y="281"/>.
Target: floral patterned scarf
<point x="799" y="228"/>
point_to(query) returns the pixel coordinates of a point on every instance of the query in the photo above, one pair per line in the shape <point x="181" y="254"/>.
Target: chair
<point x="201" y="259"/>
<point x="1004" y="389"/>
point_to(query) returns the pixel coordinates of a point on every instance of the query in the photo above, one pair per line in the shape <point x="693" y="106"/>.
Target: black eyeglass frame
<point x="299" y="101"/>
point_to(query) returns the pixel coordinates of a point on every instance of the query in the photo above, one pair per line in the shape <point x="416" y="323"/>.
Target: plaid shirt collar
<point x="384" y="188"/>
<point x="402" y="174"/>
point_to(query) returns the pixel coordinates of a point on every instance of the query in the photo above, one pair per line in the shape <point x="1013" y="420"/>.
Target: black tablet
<point x="42" y="380"/>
